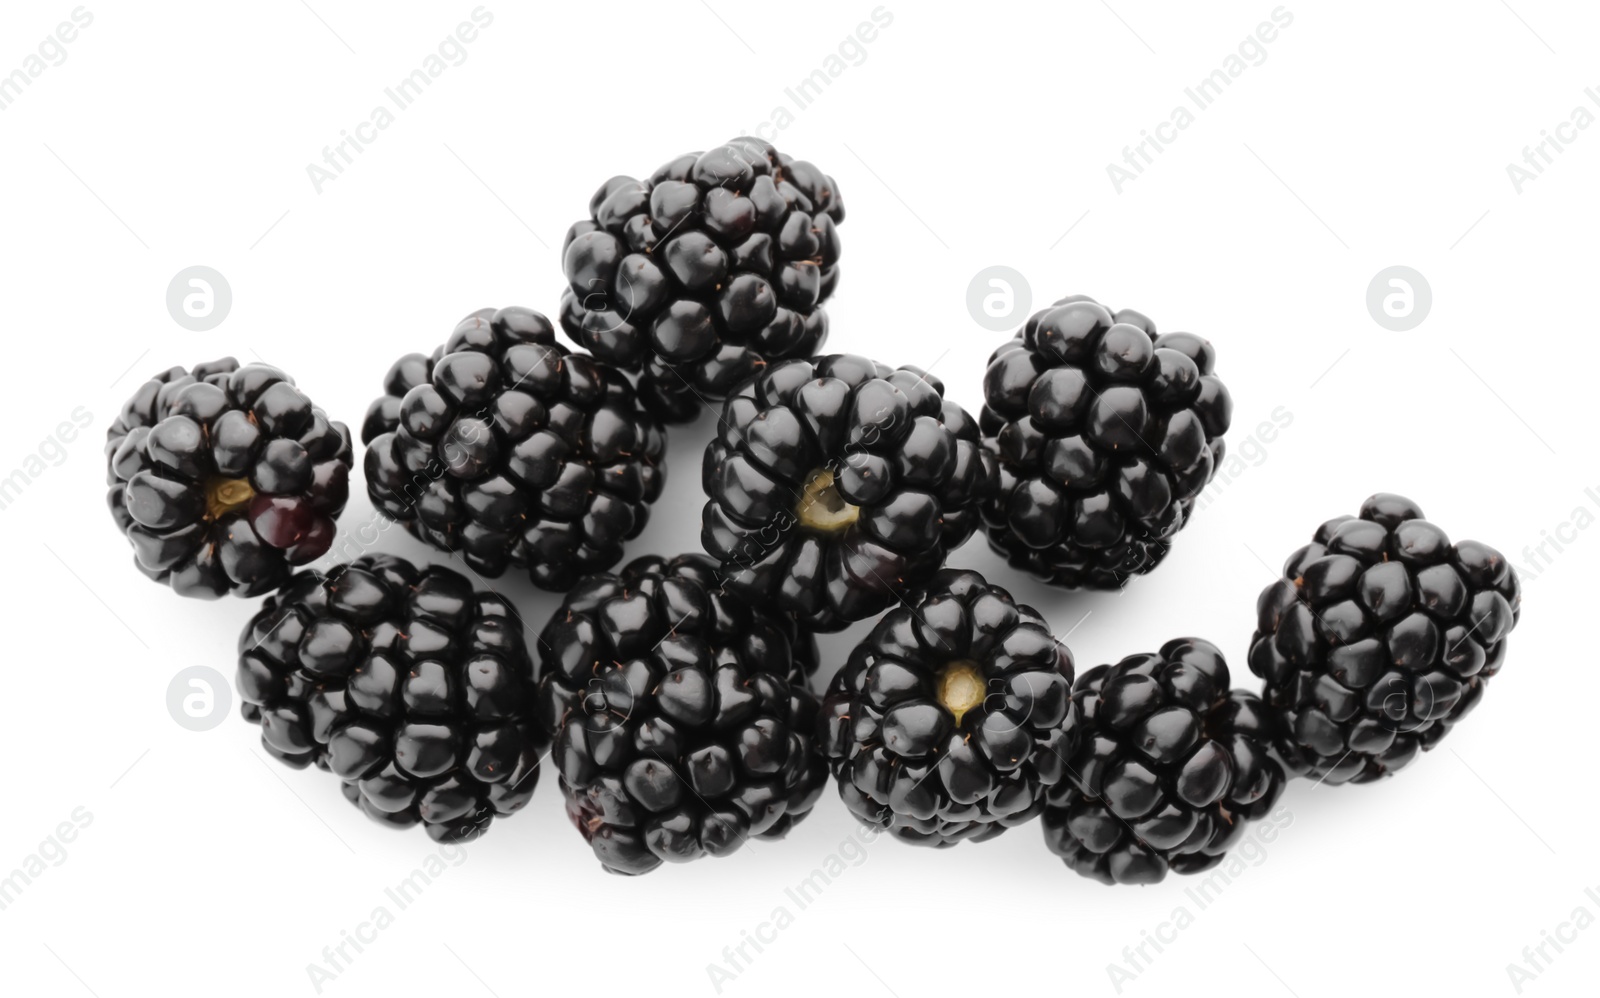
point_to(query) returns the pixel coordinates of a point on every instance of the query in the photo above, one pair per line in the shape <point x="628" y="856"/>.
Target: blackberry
<point x="1106" y="432"/>
<point x="677" y="730"/>
<point x="705" y="271"/>
<point x="413" y="690"/>
<point x="224" y="477"/>
<point x="1380" y="636"/>
<point x="1171" y="766"/>
<point x="954" y="716"/>
<point x="835" y="484"/>
<point x="508" y="450"/>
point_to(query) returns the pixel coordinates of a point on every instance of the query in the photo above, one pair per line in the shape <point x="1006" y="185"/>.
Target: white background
<point x="1372" y="135"/>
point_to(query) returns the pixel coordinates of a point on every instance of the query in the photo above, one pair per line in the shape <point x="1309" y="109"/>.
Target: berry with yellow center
<point x="838" y="483"/>
<point x="954" y="717"/>
<point x="224" y="478"/>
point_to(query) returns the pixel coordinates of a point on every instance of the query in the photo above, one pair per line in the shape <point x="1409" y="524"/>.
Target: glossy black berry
<point x="1170" y="767"/>
<point x="508" y="450"/>
<point x="415" y="691"/>
<point x="1105" y="433"/>
<point x="704" y="272"/>
<point x="225" y="477"/>
<point x="954" y="717"/>
<point x="837" y="484"/>
<point x="1380" y="636"/>
<point x="681" y="727"/>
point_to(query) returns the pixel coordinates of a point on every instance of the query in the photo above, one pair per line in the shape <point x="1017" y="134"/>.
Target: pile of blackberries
<point x="679" y="700"/>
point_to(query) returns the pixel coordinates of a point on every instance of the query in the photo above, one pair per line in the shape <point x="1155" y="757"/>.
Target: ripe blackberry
<point x="953" y="717"/>
<point x="224" y="477"/>
<point x="1171" y="765"/>
<point x="678" y="732"/>
<point x="705" y="271"/>
<point x="1380" y="636"/>
<point x="835" y="484"/>
<point x="409" y="687"/>
<point x="1106" y="432"/>
<point x="509" y="450"/>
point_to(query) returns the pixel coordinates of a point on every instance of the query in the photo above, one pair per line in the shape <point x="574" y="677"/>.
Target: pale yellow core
<point x="961" y="688"/>
<point x="821" y="507"/>
<point x="224" y="495"/>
